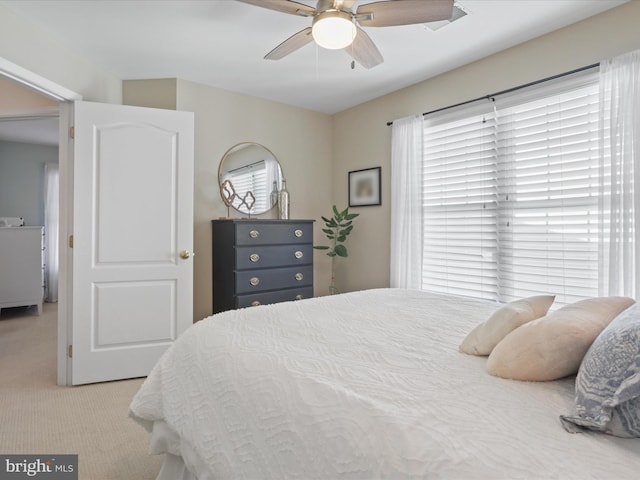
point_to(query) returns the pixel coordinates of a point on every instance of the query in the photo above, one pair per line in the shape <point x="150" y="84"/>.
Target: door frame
<point x="65" y="97"/>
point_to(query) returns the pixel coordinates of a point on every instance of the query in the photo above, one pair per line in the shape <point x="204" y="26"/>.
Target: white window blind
<point x="460" y="207"/>
<point x="511" y="196"/>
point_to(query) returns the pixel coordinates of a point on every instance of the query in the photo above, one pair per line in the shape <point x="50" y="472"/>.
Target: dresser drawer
<point x="265" y="298"/>
<point x="273" y="279"/>
<point x="265" y="256"/>
<point x="263" y="233"/>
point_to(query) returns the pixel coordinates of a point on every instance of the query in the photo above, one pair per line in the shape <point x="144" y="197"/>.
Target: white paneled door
<point x="132" y="285"/>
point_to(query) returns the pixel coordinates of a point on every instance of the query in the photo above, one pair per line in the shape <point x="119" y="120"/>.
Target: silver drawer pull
<point x="299" y="254"/>
<point x="297" y="232"/>
<point x="254" y="257"/>
<point x="254" y="281"/>
<point x="299" y="276"/>
<point x="254" y="233"/>
<point x="299" y="297"/>
<point x="255" y="303"/>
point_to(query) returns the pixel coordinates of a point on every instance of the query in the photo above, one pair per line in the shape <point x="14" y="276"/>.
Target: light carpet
<point x="39" y="417"/>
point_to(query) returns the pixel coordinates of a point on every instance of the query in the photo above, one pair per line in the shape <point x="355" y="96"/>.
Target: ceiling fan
<point x="337" y="25"/>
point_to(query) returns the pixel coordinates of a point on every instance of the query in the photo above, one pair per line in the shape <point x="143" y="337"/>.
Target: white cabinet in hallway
<point x="21" y="267"/>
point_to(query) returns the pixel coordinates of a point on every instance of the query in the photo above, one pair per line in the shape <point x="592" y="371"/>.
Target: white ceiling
<point x="222" y="43"/>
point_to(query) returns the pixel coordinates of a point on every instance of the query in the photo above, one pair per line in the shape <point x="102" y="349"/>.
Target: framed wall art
<point x="364" y="187"/>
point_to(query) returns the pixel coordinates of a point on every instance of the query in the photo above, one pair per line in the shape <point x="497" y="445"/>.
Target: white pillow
<point x="553" y="346"/>
<point x="482" y="339"/>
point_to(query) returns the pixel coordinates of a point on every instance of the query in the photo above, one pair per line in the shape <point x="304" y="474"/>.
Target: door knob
<point x="185" y="254"/>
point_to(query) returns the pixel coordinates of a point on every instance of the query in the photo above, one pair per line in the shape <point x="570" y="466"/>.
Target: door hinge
<point x="72" y="132"/>
<point x="70" y="352"/>
<point x="70" y="241"/>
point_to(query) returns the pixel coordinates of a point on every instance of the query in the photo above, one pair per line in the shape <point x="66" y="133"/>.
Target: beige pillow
<point x="553" y="346"/>
<point x="482" y="339"/>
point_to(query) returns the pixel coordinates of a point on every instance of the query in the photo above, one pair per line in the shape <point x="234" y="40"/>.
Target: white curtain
<point x="620" y="156"/>
<point x="51" y="219"/>
<point x="406" y="202"/>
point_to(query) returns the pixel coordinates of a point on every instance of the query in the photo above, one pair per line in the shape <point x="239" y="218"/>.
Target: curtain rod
<point x="509" y="90"/>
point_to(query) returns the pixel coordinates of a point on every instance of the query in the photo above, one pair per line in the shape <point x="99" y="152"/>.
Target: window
<point x="511" y="195"/>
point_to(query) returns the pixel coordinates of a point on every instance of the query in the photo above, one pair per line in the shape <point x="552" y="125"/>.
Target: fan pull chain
<point x="353" y="62"/>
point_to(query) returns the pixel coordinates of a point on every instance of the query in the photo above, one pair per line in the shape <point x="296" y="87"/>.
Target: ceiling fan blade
<point x="290" y="45"/>
<point x="403" y="12"/>
<point x="364" y="51"/>
<point x="285" y="6"/>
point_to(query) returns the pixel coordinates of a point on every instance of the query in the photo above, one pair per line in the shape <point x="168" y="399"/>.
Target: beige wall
<point x="25" y="45"/>
<point x="603" y="36"/>
<point x="161" y="93"/>
<point x="300" y="139"/>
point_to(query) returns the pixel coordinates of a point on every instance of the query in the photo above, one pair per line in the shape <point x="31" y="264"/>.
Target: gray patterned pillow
<point x="608" y="382"/>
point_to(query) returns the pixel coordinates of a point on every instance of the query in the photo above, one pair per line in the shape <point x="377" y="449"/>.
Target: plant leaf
<point x="321" y="247"/>
<point x="341" y="251"/>
<point x="351" y="216"/>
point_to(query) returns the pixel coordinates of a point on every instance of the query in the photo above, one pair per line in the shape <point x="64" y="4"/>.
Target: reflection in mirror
<point x="255" y="174"/>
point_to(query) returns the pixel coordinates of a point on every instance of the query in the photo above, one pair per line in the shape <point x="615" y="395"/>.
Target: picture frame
<point x="365" y="187"/>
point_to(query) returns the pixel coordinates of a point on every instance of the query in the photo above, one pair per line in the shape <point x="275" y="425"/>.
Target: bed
<point x="361" y="385"/>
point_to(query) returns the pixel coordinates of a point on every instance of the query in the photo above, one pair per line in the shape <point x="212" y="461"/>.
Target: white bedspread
<point x="363" y="385"/>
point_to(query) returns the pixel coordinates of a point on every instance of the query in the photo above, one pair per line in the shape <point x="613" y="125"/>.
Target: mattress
<point x="367" y="384"/>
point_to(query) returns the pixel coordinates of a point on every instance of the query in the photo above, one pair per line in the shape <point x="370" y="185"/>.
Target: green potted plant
<point x="337" y="229"/>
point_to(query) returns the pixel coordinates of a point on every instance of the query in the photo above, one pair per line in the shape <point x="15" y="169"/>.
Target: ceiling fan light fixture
<point x="333" y="29"/>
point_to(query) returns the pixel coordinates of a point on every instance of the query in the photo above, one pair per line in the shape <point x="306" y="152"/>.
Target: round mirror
<point x="249" y="178"/>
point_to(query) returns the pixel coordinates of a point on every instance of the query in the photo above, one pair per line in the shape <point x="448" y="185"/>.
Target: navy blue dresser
<point x="261" y="261"/>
